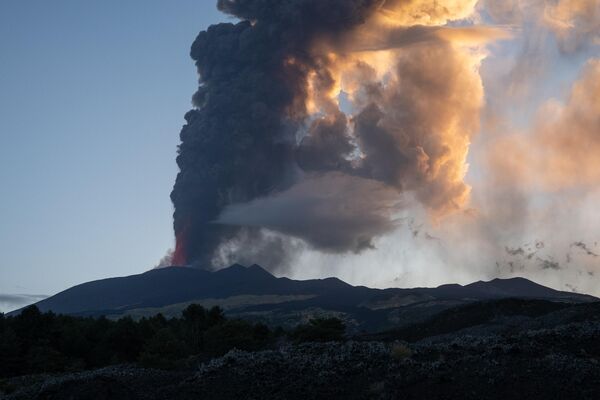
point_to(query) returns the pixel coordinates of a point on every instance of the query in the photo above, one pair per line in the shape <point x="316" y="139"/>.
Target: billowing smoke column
<point x="271" y="146"/>
<point x="321" y="120"/>
<point x="238" y="144"/>
<point x="327" y="127"/>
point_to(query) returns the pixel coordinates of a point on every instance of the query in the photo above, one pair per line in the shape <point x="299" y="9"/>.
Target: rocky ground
<point x="545" y="363"/>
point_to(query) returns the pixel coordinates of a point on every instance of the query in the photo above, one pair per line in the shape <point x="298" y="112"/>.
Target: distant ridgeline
<point x="255" y="295"/>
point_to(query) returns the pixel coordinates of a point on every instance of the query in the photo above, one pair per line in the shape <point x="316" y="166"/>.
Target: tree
<point x="215" y="316"/>
<point x="125" y="340"/>
<point x="10" y="347"/>
<point x="195" y="321"/>
<point x="163" y="349"/>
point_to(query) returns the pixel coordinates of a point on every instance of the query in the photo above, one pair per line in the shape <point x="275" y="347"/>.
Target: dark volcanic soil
<point x="562" y="362"/>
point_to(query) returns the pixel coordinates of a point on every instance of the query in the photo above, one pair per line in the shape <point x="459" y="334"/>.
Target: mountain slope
<point x="172" y="285"/>
<point x="252" y="292"/>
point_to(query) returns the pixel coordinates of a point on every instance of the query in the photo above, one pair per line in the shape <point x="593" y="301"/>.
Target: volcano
<point x="255" y="294"/>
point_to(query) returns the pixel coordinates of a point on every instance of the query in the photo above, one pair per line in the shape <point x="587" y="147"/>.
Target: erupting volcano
<point x="324" y="128"/>
<point x="179" y="257"/>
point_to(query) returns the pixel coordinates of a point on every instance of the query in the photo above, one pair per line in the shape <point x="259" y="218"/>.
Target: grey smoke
<point x="332" y="212"/>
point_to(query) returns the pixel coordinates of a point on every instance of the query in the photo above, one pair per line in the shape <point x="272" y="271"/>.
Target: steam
<point x="395" y="142"/>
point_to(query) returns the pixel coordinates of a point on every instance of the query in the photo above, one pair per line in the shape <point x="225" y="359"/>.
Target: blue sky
<point x="92" y="98"/>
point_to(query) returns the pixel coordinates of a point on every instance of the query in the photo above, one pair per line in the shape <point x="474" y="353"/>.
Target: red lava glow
<point x="179" y="255"/>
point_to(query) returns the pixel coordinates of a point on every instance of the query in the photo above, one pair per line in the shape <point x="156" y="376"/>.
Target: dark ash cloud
<point x="238" y="143"/>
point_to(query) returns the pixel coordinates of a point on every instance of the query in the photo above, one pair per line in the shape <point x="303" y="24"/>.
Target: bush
<point x="237" y="334"/>
<point x="400" y="351"/>
<point x="45" y="359"/>
<point x="320" y="330"/>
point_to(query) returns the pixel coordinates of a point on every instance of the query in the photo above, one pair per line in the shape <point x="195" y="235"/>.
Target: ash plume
<point x="238" y="142"/>
<point x="268" y="125"/>
<point x="321" y="127"/>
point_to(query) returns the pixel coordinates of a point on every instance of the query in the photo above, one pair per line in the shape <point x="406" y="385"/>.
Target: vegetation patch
<point x="34" y="342"/>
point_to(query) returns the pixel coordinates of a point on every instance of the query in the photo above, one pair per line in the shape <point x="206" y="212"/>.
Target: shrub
<point x="238" y="334"/>
<point x="400" y="351"/>
<point x="320" y="330"/>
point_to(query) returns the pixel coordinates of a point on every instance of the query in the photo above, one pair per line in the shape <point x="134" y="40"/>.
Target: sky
<point x="92" y="98"/>
<point x="491" y="106"/>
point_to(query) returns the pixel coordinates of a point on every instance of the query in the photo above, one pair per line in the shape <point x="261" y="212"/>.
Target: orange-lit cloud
<point x="575" y="22"/>
<point x="561" y="151"/>
<point x="424" y="12"/>
<point x="567" y="135"/>
<point x="416" y="95"/>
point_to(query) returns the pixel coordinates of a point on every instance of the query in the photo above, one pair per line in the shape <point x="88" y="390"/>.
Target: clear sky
<point x="92" y="98"/>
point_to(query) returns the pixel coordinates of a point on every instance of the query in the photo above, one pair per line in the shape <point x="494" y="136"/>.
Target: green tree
<point x="11" y="363"/>
<point x="215" y="316"/>
<point x="125" y="340"/>
<point x="195" y="321"/>
<point x="163" y="349"/>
